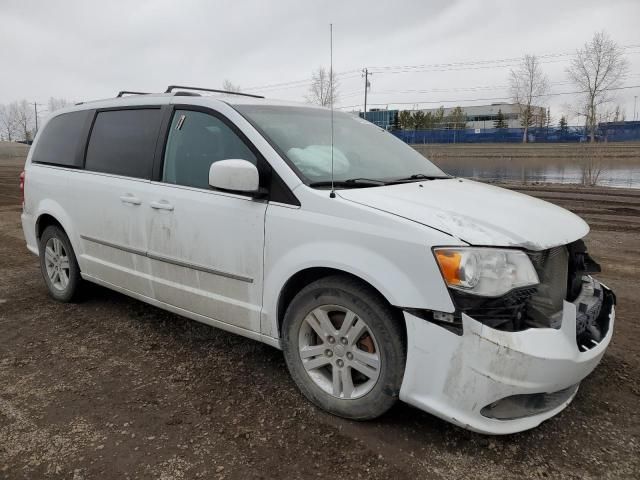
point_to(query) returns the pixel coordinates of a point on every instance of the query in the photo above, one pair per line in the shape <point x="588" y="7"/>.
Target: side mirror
<point x="234" y="175"/>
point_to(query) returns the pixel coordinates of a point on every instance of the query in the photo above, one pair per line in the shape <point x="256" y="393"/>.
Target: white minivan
<point x="468" y="301"/>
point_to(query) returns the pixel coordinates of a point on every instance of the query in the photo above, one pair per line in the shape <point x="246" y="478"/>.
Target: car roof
<point x="166" y="98"/>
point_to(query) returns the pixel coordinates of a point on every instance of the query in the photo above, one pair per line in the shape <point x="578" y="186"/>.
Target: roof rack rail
<point x="173" y="87"/>
<point x="187" y="94"/>
<point x="128" y="92"/>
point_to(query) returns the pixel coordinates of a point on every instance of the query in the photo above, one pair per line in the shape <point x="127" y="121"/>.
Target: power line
<point x="482" y="63"/>
<point x="469" y="89"/>
<point x="297" y="83"/>
<point x="465" y="68"/>
<point x="433" y="68"/>
<point x="457" y="89"/>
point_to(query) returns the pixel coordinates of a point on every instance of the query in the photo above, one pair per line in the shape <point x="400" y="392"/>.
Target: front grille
<point x="563" y="273"/>
<point x="544" y="308"/>
<point x="506" y="312"/>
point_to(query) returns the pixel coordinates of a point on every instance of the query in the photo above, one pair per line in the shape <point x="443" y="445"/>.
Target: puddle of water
<point x="622" y="173"/>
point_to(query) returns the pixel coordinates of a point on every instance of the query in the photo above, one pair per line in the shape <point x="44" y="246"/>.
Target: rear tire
<point x="344" y="347"/>
<point x="58" y="264"/>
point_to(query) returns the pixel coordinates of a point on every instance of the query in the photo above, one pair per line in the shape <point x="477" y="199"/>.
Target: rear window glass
<point x="59" y="141"/>
<point x="123" y="142"/>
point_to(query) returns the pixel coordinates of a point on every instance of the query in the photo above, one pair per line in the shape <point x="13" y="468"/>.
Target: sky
<point x="421" y="53"/>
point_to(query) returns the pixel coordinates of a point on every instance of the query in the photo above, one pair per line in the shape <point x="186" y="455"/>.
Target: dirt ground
<point x="112" y="388"/>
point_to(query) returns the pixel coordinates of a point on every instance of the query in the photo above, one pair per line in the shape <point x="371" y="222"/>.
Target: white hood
<point x="476" y="213"/>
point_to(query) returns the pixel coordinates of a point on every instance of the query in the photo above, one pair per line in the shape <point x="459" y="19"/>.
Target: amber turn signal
<point x="449" y="262"/>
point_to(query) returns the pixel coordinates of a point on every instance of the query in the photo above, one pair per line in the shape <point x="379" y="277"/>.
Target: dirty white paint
<point x="223" y="232"/>
<point x="386" y="251"/>
<point x="477" y="213"/>
<point x="454" y="377"/>
<point x="223" y="259"/>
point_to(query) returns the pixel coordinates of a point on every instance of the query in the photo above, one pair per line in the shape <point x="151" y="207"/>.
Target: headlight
<point x="488" y="272"/>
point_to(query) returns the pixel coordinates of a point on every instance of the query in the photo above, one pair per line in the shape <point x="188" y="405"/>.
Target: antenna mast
<point x="333" y="192"/>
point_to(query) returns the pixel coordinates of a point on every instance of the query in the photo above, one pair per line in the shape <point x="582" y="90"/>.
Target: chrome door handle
<point x="131" y="199"/>
<point x="161" y="205"/>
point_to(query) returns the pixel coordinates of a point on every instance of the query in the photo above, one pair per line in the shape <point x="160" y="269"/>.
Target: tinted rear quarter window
<point x="123" y="142"/>
<point x="61" y="140"/>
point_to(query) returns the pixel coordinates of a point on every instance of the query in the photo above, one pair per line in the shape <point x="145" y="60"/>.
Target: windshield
<point x="362" y="151"/>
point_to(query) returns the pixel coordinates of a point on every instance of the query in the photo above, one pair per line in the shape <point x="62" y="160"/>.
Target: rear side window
<point x="196" y="140"/>
<point x="123" y="142"/>
<point x="60" y="141"/>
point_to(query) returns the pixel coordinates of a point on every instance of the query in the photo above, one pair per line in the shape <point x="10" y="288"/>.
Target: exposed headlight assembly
<point x="488" y="272"/>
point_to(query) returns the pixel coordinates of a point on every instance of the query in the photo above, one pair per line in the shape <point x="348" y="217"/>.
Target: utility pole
<point x="365" y="74"/>
<point x="35" y="109"/>
<point x="635" y="102"/>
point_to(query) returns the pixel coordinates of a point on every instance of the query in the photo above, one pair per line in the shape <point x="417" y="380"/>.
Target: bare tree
<point x="230" y="86"/>
<point x="528" y="83"/>
<point x="24" y="119"/>
<point x="598" y="67"/>
<point x="457" y="119"/>
<point x="438" y="117"/>
<point x="323" y="90"/>
<point x="609" y="114"/>
<point x="57" y="103"/>
<point x="8" y="122"/>
<point x="592" y="160"/>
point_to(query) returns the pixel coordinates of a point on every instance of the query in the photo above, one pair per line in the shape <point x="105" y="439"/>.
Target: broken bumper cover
<point x="498" y="382"/>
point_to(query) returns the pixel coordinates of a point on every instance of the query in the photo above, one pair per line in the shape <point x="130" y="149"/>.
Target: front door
<point x="205" y="246"/>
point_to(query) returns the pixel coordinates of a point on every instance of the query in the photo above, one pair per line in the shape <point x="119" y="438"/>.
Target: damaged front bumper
<point x="499" y="382"/>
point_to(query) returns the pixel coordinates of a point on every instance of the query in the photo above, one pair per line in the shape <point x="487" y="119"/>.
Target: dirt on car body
<point x="110" y="387"/>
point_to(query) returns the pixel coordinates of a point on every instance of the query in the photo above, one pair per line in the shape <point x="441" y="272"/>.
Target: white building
<point x="484" y="116"/>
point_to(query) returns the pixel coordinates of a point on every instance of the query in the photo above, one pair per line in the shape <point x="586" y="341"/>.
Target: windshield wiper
<point x="350" y="183"/>
<point x="417" y="177"/>
<point x="371" y="182"/>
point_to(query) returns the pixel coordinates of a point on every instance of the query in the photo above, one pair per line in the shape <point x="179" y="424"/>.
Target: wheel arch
<point x="304" y="277"/>
<point x="45" y="220"/>
<point x="404" y="274"/>
<point x="49" y="213"/>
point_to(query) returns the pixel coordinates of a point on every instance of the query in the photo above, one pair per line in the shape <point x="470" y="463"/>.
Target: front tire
<point x="344" y="347"/>
<point x="58" y="264"/>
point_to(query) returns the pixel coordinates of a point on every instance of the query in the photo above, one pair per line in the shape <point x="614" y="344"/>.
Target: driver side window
<point x="196" y="140"/>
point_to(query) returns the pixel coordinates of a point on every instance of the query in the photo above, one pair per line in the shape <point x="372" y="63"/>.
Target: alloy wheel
<point x="339" y="352"/>
<point x="56" y="263"/>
